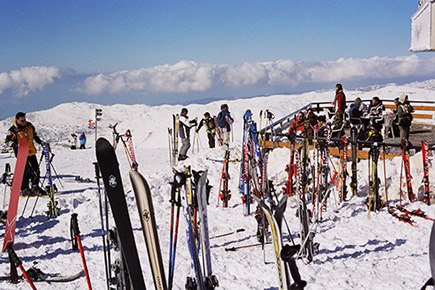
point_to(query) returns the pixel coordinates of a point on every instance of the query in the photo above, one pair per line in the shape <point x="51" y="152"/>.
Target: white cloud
<point x="189" y="76"/>
<point x="27" y="79"/>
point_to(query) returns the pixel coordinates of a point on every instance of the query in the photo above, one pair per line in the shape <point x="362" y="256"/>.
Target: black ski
<point x="109" y="168"/>
<point x="38" y="276"/>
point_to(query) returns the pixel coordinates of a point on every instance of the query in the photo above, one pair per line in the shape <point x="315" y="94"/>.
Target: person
<point x="82" y="139"/>
<point x="74" y="145"/>
<point x="184" y="132"/>
<point x="339" y="100"/>
<point x="297" y="127"/>
<point x="404" y="116"/>
<point x="320" y="130"/>
<point x="376" y="107"/>
<point x="23" y="129"/>
<point x="374" y="135"/>
<point x="224" y="121"/>
<point x="337" y="125"/>
<point x="210" y="126"/>
<point x="356" y="111"/>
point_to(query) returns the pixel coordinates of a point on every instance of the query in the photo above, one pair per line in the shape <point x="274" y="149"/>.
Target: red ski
<point x="23" y="151"/>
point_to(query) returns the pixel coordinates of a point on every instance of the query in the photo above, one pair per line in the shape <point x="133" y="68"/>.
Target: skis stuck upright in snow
<point x="194" y="201"/>
<point x="109" y="168"/>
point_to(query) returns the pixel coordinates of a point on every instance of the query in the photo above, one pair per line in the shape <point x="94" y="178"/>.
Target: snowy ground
<point x="355" y="252"/>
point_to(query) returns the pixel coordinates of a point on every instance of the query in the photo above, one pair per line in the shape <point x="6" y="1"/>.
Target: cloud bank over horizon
<point x="189" y="76"/>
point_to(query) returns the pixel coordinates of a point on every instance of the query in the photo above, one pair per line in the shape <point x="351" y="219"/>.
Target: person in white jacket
<point x="184" y="133"/>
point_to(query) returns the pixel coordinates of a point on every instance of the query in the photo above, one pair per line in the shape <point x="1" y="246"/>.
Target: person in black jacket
<point x="23" y="129"/>
<point x="374" y="135"/>
<point x="210" y="126"/>
<point x="184" y="133"/>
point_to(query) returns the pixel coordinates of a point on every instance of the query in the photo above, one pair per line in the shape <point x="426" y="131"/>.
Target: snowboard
<point x="109" y="168"/>
<point x="20" y="166"/>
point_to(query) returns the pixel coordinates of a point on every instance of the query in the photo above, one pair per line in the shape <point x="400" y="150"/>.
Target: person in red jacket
<point x="297" y="127"/>
<point x="340" y="99"/>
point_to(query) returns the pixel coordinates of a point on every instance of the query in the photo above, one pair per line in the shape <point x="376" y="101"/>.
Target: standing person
<point x="210" y="127"/>
<point x="23" y="129"/>
<point x="404" y="110"/>
<point x="339" y="100"/>
<point x="297" y="127"/>
<point x="184" y="132"/>
<point x="82" y="139"/>
<point x="224" y="121"/>
<point x="74" y="145"/>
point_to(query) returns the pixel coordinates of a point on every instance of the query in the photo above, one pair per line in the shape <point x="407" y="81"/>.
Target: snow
<point x="355" y="252"/>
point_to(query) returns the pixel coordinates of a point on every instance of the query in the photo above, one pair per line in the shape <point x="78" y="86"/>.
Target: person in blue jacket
<point x="82" y="139"/>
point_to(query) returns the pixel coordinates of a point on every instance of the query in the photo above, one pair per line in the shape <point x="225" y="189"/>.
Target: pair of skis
<point x="284" y="255"/>
<point x="195" y="200"/>
<point x="109" y="168"/>
<point x="224" y="191"/>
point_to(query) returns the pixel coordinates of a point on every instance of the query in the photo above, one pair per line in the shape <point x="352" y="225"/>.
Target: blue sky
<point x="172" y="51"/>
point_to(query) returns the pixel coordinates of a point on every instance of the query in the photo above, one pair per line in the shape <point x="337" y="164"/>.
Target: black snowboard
<point x="109" y="168"/>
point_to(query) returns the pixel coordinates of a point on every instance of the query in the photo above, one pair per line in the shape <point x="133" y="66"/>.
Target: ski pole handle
<point x="97" y="170"/>
<point x="74" y="230"/>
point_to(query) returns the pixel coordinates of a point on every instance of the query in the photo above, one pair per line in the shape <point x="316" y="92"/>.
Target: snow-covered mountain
<point x="355" y="252"/>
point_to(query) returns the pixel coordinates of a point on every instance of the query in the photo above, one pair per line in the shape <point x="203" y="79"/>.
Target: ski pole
<point x="103" y="230"/>
<point x="15" y="261"/>
<point x="233" y="249"/>
<point x="75" y="236"/>
<point x="227" y="234"/>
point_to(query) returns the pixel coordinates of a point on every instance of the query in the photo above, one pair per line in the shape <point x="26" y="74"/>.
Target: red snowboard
<point x="23" y="151"/>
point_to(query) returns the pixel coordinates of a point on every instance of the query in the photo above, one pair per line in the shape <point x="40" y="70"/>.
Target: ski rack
<point x="424" y="110"/>
<point x="334" y="150"/>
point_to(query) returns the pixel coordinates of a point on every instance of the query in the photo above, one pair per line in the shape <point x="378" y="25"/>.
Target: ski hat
<point x="206" y="114"/>
<point x="357" y="101"/>
<point x="403" y="98"/>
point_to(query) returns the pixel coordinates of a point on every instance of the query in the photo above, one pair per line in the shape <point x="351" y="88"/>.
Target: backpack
<point x="221" y="121"/>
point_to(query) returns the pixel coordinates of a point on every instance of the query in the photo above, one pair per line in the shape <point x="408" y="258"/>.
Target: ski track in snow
<point x="355" y="252"/>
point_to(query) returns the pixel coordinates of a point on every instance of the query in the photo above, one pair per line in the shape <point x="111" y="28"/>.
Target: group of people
<point x="82" y="140"/>
<point x="370" y="118"/>
<point x="222" y="123"/>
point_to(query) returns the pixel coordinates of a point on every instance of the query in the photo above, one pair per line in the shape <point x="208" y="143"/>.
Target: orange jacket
<point x="17" y="132"/>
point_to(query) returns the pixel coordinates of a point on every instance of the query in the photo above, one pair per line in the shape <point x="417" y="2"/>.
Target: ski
<point x="354" y="149"/>
<point x="417" y="212"/>
<point x="425" y="155"/>
<point x="401" y="217"/>
<point x="191" y="234"/>
<point x="38" y="276"/>
<point x="145" y="206"/>
<point x="277" y="242"/>
<point x="224" y="192"/>
<point x="109" y="168"/>
<point x="210" y="280"/>
<point x="11" y="220"/>
<point x="405" y="160"/>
